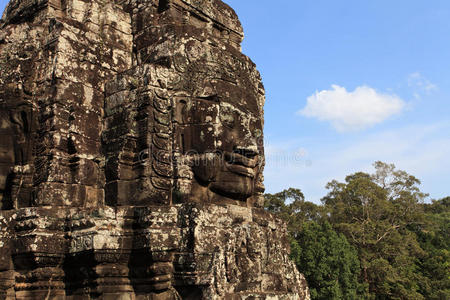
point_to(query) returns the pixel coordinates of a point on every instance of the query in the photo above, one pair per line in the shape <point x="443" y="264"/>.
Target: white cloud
<point x="420" y="84"/>
<point x="351" y="111"/>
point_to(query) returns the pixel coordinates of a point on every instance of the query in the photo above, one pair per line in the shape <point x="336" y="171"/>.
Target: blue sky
<point x="349" y="83"/>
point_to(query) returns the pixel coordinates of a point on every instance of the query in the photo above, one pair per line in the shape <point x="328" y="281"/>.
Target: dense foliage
<point x="373" y="237"/>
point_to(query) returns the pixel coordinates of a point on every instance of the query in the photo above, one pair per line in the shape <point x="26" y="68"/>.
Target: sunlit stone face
<point x="219" y="133"/>
<point x="193" y="119"/>
<point x="221" y="142"/>
<point x="238" y="144"/>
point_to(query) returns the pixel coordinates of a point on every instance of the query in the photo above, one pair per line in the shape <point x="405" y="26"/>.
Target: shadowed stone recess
<point x="131" y="156"/>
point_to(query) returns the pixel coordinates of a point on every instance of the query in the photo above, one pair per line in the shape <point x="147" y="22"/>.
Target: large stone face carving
<point x="131" y="155"/>
<point x="195" y="118"/>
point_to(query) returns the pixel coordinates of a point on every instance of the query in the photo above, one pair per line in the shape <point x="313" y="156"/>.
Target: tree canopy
<point x="373" y="237"/>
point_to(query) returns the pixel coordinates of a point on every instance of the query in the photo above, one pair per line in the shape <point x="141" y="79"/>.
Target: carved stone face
<point x="220" y="141"/>
<point x="219" y="134"/>
<point x="196" y="98"/>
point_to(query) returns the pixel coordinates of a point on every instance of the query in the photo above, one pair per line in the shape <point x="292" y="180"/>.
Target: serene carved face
<point x="219" y="133"/>
<point x="220" y="140"/>
<point x="216" y="101"/>
<point x="238" y="138"/>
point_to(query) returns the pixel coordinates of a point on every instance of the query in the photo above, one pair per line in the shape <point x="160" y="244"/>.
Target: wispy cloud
<point x="420" y="85"/>
<point x="352" y="111"/>
<point x="421" y="150"/>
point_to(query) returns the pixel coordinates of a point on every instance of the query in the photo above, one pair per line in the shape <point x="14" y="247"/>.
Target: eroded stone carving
<point x="192" y="128"/>
<point x="131" y="155"/>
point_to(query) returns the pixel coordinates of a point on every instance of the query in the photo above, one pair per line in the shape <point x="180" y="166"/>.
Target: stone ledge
<point x="217" y="249"/>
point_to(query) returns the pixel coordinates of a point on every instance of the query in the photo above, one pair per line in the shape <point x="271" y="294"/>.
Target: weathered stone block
<point x="131" y="156"/>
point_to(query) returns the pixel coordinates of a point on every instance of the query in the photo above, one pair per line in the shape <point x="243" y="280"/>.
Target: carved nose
<point x="249" y="152"/>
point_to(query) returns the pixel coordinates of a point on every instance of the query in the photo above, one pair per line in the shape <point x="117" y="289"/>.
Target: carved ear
<point x="163" y="5"/>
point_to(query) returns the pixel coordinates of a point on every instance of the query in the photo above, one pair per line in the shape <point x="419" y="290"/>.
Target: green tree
<point x="434" y="238"/>
<point x="373" y="227"/>
<point x="374" y="212"/>
<point x="290" y="205"/>
<point x="329" y="263"/>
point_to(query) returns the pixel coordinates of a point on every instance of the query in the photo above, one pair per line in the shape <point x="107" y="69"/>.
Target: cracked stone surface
<point x="131" y="155"/>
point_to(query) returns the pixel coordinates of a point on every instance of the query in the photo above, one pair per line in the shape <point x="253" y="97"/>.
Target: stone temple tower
<point x="131" y="155"/>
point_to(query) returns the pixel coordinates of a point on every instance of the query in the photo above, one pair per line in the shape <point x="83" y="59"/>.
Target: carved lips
<point x="241" y="164"/>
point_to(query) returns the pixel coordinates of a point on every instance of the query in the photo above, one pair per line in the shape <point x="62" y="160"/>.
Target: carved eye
<point x="228" y="118"/>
